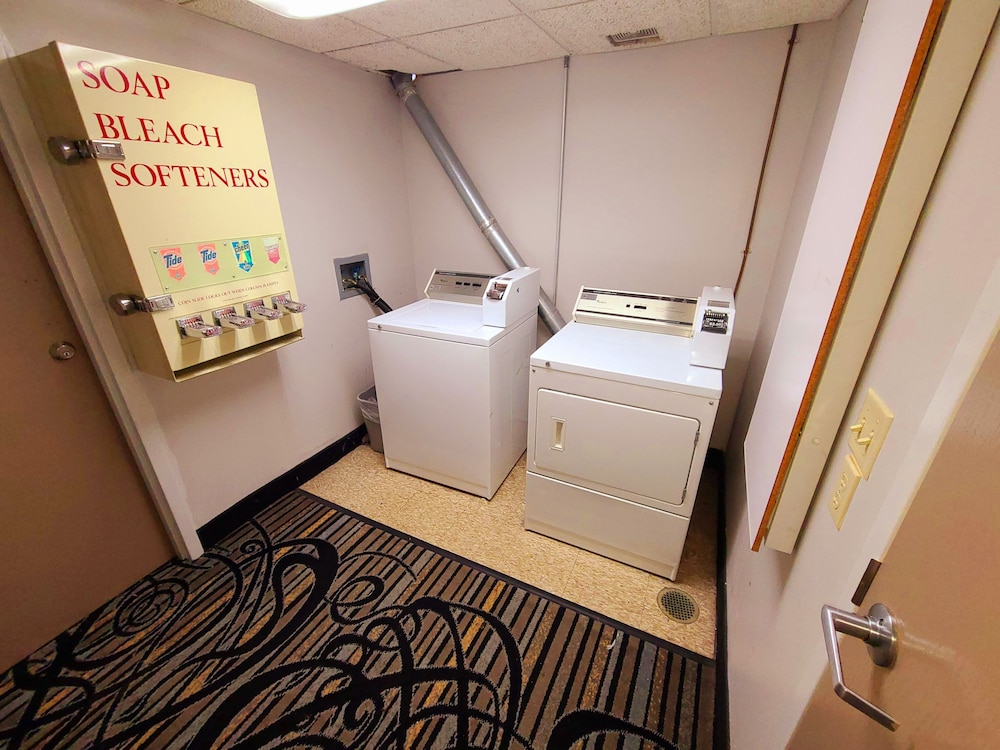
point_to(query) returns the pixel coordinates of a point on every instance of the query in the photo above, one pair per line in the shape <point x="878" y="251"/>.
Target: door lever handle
<point x="878" y="630"/>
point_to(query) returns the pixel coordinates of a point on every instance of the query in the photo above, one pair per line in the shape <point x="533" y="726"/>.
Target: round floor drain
<point x="677" y="605"/>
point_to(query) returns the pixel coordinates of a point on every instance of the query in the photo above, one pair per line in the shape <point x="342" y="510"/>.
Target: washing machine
<point x="621" y="407"/>
<point x="451" y="374"/>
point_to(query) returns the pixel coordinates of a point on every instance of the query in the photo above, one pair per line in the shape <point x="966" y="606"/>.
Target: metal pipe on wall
<point x="403" y="84"/>
<point x="562" y="173"/>
<point x="763" y="163"/>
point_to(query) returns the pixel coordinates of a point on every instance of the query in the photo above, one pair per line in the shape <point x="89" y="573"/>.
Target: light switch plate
<point x="847" y="483"/>
<point x="868" y="433"/>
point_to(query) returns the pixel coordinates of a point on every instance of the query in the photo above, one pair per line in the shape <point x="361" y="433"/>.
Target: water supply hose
<point x="362" y="283"/>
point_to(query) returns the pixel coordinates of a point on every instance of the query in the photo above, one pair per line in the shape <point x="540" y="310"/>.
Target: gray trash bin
<point x="369" y="410"/>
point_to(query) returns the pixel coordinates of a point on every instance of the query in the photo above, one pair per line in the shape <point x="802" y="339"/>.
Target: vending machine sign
<point x="189" y="203"/>
<point x="173" y="262"/>
<point x="209" y="258"/>
<point x="212" y="263"/>
<point x="272" y="247"/>
<point x="244" y="256"/>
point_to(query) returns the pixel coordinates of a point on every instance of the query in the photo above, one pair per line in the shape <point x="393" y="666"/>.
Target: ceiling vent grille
<point x="630" y="38"/>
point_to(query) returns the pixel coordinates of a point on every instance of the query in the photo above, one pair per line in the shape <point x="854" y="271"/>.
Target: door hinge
<point x="68" y="151"/>
<point x="866" y="581"/>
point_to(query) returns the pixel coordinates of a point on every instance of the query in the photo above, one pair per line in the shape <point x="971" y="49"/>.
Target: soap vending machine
<point x="167" y="177"/>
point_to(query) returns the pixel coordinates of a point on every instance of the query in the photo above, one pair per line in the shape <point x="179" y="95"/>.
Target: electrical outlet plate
<point x="868" y="433"/>
<point x="345" y="267"/>
<point x="847" y="484"/>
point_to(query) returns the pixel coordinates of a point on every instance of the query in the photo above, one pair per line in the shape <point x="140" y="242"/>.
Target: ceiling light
<point x="311" y="8"/>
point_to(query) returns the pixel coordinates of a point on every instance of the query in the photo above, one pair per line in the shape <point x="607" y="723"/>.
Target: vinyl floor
<point x="491" y="533"/>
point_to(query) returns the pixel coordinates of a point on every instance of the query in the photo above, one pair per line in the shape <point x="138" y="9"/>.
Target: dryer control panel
<point x="706" y="320"/>
<point x="659" y="313"/>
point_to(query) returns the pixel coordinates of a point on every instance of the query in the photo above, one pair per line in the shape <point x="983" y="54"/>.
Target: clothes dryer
<point x="451" y="372"/>
<point x="620" y="419"/>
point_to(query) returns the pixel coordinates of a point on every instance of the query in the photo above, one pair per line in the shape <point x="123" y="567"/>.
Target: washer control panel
<point x="506" y="299"/>
<point x="457" y="286"/>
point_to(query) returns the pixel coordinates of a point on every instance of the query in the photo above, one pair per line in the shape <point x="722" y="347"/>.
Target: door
<point x="639" y="454"/>
<point x="940" y="578"/>
<point x="77" y="525"/>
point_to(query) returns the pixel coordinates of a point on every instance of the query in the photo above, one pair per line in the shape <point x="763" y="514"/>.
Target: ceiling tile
<point x="318" y="34"/>
<point x="433" y="35"/>
<point x="391" y="55"/>
<point x="495" y="44"/>
<point x="584" y="28"/>
<point x="397" y="18"/>
<point x="733" y="16"/>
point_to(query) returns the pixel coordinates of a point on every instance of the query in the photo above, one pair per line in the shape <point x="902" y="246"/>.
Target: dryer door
<point x="638" y="454"/>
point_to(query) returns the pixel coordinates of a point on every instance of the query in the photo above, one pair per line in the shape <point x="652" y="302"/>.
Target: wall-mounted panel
<point x="182" y="217"/>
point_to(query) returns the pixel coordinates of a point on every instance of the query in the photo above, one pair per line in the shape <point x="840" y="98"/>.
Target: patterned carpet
<point x="314" y="628"/>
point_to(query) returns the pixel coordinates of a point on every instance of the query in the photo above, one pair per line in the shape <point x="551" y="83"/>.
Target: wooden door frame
<point x="30" y="167"/>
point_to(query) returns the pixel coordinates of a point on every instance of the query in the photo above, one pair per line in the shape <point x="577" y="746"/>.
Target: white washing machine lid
<point x="441" y="319"/>
<point x="656" y="360"/>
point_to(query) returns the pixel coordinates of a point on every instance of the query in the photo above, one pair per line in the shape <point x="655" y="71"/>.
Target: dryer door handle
<point x="558" y="434"/>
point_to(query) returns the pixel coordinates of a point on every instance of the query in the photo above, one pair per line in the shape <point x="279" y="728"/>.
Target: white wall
<point x="663" y="154"/>
<point x="660" y="142"/>
<point x="335" y="144"/>
<point x="846" y="28"/>
<point x="776" y="652"/>
<point x="504" y="125"/>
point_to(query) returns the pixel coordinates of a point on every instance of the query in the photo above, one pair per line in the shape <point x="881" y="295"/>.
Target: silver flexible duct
<point x="407" y="91"/>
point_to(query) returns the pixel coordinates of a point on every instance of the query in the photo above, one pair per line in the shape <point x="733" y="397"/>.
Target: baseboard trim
<point x="229" y="520"/>
<point x="720" y="726"/>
